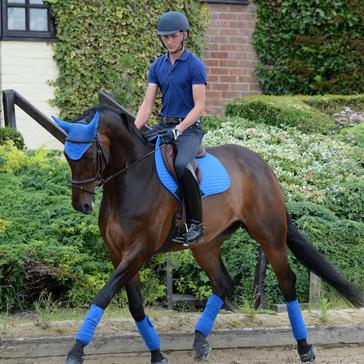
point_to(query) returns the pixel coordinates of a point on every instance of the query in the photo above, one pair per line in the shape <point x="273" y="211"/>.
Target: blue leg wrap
<point x="206" y="320"/>
<point x="87" y="330"/>
<point x="149" y="334"/>
<point x="297" y="323"/>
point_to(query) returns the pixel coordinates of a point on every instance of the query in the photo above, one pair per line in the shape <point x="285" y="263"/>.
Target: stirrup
<point x="195" y="233"/>
<point x="180" y="237"/>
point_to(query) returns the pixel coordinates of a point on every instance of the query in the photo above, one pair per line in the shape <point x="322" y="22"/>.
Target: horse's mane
<point x="87" y="116"/>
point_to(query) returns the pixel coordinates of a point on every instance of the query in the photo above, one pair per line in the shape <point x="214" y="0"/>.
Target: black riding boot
<point x="192" y="198"/>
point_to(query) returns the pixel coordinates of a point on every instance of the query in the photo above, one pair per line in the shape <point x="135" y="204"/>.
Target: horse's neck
<point x="138" y="177"/>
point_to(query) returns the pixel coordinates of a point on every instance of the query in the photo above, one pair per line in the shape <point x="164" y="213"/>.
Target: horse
<point x="104" y="149"/>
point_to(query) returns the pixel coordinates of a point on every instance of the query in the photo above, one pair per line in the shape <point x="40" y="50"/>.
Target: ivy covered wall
<point x="109" y="45"/>
<point x="310" y="46"/>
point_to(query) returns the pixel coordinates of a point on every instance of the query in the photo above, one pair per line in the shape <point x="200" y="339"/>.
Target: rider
<point x="181" y="77"/>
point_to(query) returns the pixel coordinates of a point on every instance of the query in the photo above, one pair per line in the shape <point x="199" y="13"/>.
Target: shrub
<point x="310" y="46"/>
<point x="279" y="111"/>
<point x="354" y="135"/>
<point x="307" y="113"/>
<point x="331" y="104"/>
<point x="308" y="167"/>
<point x="348" y="118"/>
<point x="46" y="246"/>
<point x="7" y="134"/>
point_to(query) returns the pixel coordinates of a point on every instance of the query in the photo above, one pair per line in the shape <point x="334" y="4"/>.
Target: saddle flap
<point x="169" y="156"/>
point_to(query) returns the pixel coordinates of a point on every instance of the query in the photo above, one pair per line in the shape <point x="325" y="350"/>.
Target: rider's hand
<point x="169" y="136"/>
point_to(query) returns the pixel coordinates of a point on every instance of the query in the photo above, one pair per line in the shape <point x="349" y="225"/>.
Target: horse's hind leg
<point x="209" y="259"/>
<point x="272" y="237"/>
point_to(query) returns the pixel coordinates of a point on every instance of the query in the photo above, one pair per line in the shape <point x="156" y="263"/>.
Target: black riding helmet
<point x="172" y="22"/>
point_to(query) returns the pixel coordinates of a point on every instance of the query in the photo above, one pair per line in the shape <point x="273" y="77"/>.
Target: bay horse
<point x="104" y="148"/>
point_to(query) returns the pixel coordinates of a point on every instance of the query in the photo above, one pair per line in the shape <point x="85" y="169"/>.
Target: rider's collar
<point x="183" y="57"/>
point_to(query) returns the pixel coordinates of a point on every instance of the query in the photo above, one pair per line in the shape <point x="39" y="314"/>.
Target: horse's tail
<point x="312" y="259"/>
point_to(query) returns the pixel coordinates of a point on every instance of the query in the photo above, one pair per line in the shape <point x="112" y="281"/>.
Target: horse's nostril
<point x="86" y="207"/>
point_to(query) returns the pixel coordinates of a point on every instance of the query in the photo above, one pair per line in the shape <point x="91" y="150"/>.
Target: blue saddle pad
<point x="215" y="179"/>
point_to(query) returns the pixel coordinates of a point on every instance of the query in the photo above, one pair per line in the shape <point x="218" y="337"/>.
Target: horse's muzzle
<point x="83" y="204"/>
<point x="85" y="208"/>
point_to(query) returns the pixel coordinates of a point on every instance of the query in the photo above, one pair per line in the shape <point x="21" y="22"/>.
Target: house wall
<point x="27" y="67"/>
<point x="230" y="58"/>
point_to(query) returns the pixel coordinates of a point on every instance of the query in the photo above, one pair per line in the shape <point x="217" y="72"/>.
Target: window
<point x="26" y="19"/>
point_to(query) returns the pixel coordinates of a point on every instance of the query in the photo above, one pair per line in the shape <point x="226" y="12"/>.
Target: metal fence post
<point x="258" y="286"/>
<point x="9" y="108"/>
<point x="169" y="271"/>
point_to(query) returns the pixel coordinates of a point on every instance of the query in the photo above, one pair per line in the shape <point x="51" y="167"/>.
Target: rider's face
<point x="173" y="41"/>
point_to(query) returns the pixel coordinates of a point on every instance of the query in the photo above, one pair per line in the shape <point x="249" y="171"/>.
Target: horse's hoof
<point x="71" y="360"/>
<point x="201" y="348"/>
<point x="163" y="361"/>
<point x="309" y="356"/>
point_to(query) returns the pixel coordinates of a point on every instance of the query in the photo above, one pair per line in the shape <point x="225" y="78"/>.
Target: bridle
<point x="101" y="164"/>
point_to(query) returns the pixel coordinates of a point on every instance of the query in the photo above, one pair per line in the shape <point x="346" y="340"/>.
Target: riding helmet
<point x="172" y="22"/>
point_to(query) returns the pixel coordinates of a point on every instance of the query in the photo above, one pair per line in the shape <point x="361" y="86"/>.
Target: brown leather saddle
<point x="169" y="156"/>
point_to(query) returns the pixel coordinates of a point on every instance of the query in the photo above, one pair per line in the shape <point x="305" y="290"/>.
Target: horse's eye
<point x="88" y="158"/>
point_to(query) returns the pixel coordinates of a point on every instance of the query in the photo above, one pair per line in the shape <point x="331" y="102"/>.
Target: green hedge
<point x="46" y="247"/>
<point x="307" y="113"/>
<point x="354" y="135"/>
<point x="310" y="46"/>
<point x="109" y="45"/>
<point x="7" y="134"/>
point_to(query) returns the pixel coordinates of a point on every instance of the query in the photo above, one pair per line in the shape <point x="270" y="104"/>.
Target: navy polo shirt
<point x="175" y="82"/>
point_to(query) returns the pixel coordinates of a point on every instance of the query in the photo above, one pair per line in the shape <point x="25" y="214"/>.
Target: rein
<point x="101" y="165"/>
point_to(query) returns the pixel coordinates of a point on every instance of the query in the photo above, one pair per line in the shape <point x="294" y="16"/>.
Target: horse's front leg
<point x="209" y="259"/>
<point x="124" y="273"/>
<point x="145" y="327"/>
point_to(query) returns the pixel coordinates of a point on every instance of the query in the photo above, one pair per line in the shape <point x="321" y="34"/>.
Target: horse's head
<point x="87" y="159"/>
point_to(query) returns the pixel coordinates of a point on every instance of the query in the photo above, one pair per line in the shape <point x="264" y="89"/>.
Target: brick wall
<point x="230" y="58"/>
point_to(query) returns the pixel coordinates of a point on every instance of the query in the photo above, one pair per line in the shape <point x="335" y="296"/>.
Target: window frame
<point x="6" y="34"/>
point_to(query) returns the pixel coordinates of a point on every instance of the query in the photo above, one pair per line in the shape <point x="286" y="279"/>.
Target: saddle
<point x="169" y="156"/>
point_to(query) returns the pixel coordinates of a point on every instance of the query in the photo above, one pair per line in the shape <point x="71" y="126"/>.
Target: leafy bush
<point x="307" y="113"/>
<point x="321" y="179"/>
<point x="354" y="135"/>
<point x="310" y="46"/>
<point x="273" y="110"/>
<point x="348" y="118"/>
<point x="7" y="134"/>
<point x="308" y="166"/>
<point x="44" y="244"/>
<point x="331" y="104"/>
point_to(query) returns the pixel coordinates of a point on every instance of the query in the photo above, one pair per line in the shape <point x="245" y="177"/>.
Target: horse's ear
<point x="94" y="123"/>
<point x="63" y="124"/>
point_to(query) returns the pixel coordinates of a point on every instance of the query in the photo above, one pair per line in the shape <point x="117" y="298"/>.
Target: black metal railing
<point x="12" y="98"/>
